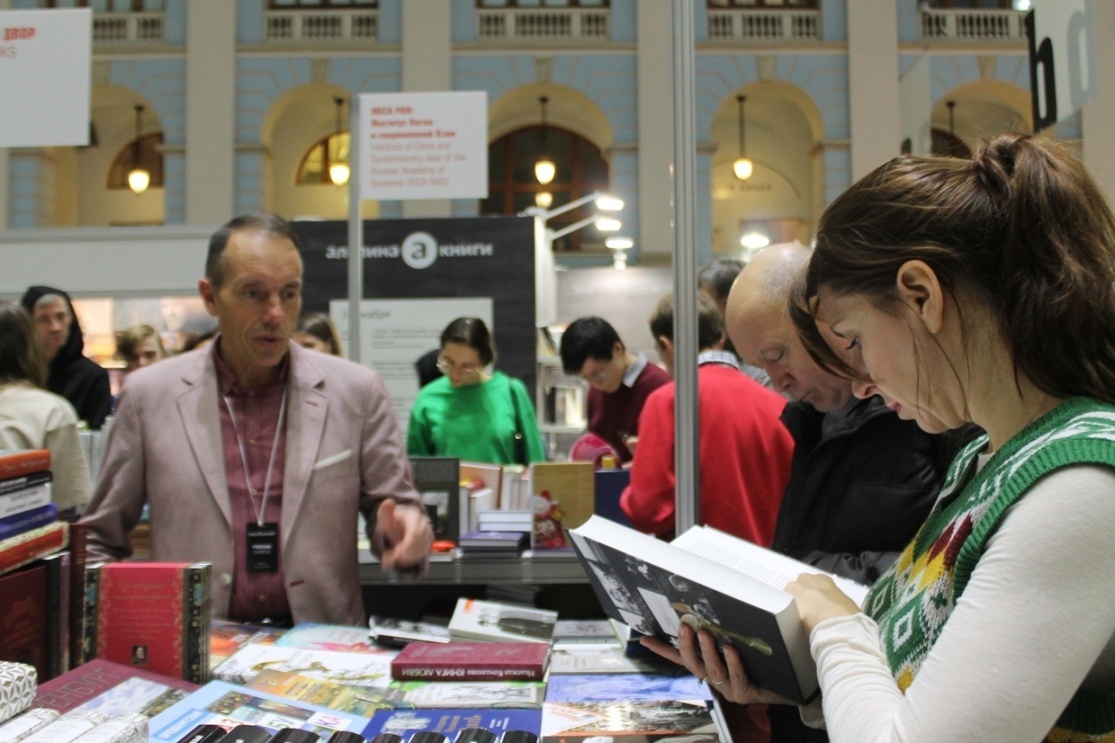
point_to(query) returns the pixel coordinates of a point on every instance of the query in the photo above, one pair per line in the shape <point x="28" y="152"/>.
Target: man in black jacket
<point x="861" y="480"/>
<point x="71" y="375"/>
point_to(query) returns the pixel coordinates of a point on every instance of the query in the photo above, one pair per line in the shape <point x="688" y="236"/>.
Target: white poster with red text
<point x="45" y="77"/>
<point x="423" y="145"/>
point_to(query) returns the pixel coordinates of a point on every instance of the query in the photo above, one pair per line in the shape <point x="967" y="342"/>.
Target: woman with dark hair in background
<point x="318" y="333"/>
<point x="470" y="413"/>
<point x="32" y="418"/>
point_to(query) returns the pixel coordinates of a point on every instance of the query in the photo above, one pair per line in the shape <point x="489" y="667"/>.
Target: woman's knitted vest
<point x="914" y="599"/>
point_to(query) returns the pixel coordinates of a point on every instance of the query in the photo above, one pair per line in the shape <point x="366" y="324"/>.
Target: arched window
<point x="144" y="152"/>
<point x="314" y="168"/>
<point x="512" y="186"/>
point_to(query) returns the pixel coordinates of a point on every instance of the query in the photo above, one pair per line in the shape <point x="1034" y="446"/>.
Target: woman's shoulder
<point x="26" y="401"/>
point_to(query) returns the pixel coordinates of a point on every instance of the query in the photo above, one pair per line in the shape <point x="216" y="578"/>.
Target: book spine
<point x="30" y="721"/>
<point x="24" y="462"/>
<point x="197" y="605"/>
<point x="90" y="603"/>
<point x="24" y="499"/>
<point x="425" y="672"/>
<point x="30" y="546"/>
<point x="19" y="483"/>
<point x="13" y="526"/>
<point x="76" y="586"/>
<point x="57" y="567"/>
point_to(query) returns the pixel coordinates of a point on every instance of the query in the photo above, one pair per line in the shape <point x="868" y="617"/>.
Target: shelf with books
<point x="535" y="568"/>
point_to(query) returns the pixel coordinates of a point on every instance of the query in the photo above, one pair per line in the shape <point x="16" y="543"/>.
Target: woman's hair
<point x="321" y="327"/>
<point x="1020" y="227"/>
<point x="21" y="358"/>
<point x="473" y="333"/>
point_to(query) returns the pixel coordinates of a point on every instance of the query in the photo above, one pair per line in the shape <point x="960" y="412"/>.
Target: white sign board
<point x="423" y="145"/>
<point x="45" y="76"/>
<point x="1062" y="38"/>
<point x="394" y="333"/>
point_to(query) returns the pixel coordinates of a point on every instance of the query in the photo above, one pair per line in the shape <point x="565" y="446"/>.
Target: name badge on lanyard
<point x="263" y="547"/>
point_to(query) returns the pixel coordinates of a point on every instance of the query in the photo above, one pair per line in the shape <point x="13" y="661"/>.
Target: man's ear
<point x="921" y="291"/>
<point x="208" y="296"/>
<point x="666" y="344"/>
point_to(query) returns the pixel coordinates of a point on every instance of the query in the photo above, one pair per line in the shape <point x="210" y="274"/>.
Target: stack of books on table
<point x="493" y="544"/>
<point x="29" y="526"/>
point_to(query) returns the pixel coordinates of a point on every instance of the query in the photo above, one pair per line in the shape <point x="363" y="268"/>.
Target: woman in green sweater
<point x="469" y="413"/>
<point x="972" y="290"/>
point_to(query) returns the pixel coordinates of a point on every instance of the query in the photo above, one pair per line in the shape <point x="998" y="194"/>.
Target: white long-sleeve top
<point x="1036" y="620"/>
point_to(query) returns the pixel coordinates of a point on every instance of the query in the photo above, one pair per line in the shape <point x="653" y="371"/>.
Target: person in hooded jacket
<point x="73" y="376"/>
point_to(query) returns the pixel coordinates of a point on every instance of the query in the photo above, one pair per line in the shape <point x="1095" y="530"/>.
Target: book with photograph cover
<point x="465" y="694"/>
<point x="230" y="705"/>
<point x="456" y="725"/>
<point x="399" y="632"/>
<point x="471" y="661"/>
<point x="226" y="637"/>
<point x="626" y="687"/>
<point x="438" y="482"/>
<point x="629" y="722"/>
<point x="594" y="659"/>
<point x="332" y="637"/>
<point x="322" y="692"/>
<point x="711" y="581"/>
<point x="477" y="619"/>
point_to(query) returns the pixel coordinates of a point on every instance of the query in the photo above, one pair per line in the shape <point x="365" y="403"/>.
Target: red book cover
<point x="20" y="462"/>
<point x="29" y="546"/>
<point x="89" y="681"/>
<point x="23" y="617"/>
<point x="154" y="616"/>
<point x="471" y="661"/>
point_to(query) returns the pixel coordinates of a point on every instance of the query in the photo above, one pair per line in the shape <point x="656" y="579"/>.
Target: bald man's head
<point x="759" y="325"/>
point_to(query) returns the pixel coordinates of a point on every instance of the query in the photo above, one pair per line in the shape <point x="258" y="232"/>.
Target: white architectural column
<point x="1099" y="113"/>
<point x="874" y="102"/>
<point x="5" y="172"/>
<point x="427" y="66"/>
<point x="655" y="107"/>
<point x="210" y="111"/>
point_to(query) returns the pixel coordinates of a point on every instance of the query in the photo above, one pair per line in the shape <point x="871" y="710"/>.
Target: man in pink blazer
<point x="258" y="455"/>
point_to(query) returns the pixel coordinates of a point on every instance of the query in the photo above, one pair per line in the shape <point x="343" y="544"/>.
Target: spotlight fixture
<point x="338" y="169"/>
<point x="138" y="177"/>
<point x="608" y="224"/>
<point x="743" y="166"/>
<point x="544" y="169"/>
<point x="544" y="199"/>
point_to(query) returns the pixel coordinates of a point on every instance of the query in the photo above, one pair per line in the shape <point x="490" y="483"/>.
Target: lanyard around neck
<point x="262" y="509"/>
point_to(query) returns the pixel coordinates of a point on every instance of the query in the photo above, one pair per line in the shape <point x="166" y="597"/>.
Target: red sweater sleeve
<point x="649" y="500"/>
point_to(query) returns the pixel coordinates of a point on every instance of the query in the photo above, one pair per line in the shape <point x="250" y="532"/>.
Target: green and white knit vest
<point x="912" y="601"/>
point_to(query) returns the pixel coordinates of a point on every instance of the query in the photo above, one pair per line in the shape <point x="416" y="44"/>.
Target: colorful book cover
<point x="357" y="669"/>
<point x="12" y="484"/>
<point x="229" y="705"/>
<point x="333" y="637"/>
<point x="476" y="619"/>
<point x="572" y="659"/>
<point x="20" y="462"/>
<point x="13" y="526"/>
<point x="136" y="695"/>
<point x="25" y="499"/>
<point x="23" y="617"/>
<point x="434" y="725"/>
<point x="465" y="694"/>
<point x="86" y="682"/>
<point x="622" y="719"/>
<point x="471" y="661"/>
<point x="31" y="545"/>
<point x="226" y="637"/>
<point x="625" y="687"/>
<point x="322" y="692"/>
<point x="151" y="615"/>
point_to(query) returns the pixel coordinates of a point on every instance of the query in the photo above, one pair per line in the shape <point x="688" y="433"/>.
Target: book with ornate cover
<point x="471" y="661"/>
<point x="152" y="615"/>
<point x="20" y="462"/>
<point x="29" y="546"/>
<point x="230" y="705"/>
<point x="99" y="679"/>
<point x="477" y="619"/>
<point x="23" y="617"/>
<point x="711" y="581"/>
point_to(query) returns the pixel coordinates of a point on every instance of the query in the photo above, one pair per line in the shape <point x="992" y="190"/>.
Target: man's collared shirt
<point x="254" y="595"/>
<point x="632" y="372"/>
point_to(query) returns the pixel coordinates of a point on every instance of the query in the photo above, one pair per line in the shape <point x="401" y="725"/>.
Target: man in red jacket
<point x="745" y="451"/>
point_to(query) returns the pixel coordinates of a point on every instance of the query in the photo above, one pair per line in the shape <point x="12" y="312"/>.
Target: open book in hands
<point x="731" y="588"/>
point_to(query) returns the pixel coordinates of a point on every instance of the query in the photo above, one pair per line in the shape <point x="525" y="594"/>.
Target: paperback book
<point x="20" y="462"/>
<point x="456" y="725"/>
<point x="370" y="670"/>
<point x="626" y="687"/>
<point x="332" y="637"/>
<point x="578" y="660"/>
<point x="229" y="705"/>
<point x="322" y="692"/>
<point x="476" y="619"/>
<point x="711" y="581"/>
<point x="112" y="688"/>
<point x="226" y="637"/>
<point x="465" y="694"/>
<point x="25" y="548"/>
<point x="471" y="661"/>
<point x="399" y="632"/>
<point x="628" y="721"/>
